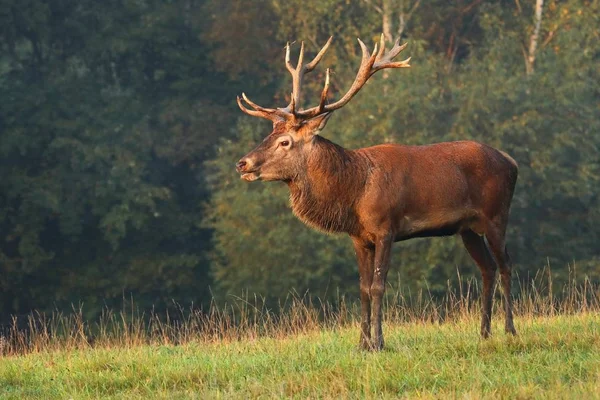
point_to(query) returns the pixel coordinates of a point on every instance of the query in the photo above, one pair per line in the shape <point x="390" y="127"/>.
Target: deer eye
<point x="284" y="143"/>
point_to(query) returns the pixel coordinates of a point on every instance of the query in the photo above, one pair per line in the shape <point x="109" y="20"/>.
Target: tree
<point x="545" y="119"/>
<point x="111" y="109"/>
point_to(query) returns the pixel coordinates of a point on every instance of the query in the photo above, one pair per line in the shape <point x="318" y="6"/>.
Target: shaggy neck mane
<point x="324" y="196"/>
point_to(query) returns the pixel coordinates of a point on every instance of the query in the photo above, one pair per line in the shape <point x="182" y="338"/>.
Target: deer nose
<point x="241" y="165"/>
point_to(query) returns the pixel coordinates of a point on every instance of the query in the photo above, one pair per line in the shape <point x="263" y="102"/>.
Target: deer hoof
<point x="510" y="330"/>
<point x="364" y="344"/>
<point x="377" y="344"/>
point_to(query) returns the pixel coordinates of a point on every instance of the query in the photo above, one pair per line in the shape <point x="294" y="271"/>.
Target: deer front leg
<point x="382" y="265"/>
<point x="365" y="254"/>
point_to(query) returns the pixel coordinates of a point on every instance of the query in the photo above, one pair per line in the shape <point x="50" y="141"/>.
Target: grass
<point x="554" y="357"/>
<point x="433" y="350"/>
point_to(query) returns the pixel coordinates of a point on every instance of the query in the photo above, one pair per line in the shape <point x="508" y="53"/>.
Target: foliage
<point x="548" y="121"/>
<point x="119" y="132"/>
<point x="103" y="133"/>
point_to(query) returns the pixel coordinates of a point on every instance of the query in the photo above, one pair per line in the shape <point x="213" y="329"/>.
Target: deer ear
<point x="315" y="125"/>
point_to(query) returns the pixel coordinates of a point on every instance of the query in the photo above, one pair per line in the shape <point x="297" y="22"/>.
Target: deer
<point x="388" y="192"/>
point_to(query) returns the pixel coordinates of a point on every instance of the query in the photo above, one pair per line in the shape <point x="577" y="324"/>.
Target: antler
<point x="272" y="114"/>
<point x="370" y="63"/>
<point x="299" y="71"/>
<point x="289" y="112"/>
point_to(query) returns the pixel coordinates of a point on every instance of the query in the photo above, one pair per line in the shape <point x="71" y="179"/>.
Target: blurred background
<point x="119" y="133"/>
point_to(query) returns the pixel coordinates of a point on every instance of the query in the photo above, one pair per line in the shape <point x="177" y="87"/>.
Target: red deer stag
<point x="386" y="193"/>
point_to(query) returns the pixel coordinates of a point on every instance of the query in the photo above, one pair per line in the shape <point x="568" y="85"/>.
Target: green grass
<point x="306" y="350"/>
<point x="553" y="357"/>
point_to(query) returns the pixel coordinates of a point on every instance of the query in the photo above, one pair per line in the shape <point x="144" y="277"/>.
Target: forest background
<point x="119" y="133"/>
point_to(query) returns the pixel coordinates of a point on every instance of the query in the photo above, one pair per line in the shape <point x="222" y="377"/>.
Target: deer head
<point x="283" y="153"/>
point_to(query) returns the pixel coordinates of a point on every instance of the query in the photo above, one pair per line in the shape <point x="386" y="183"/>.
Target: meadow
<point x="309" y="350"/>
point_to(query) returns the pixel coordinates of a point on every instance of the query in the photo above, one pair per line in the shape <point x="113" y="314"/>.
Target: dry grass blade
<point x="250" y="317"/>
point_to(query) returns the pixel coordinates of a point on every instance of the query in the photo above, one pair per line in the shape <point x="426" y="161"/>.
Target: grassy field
<point x="554" y="357"/>
<point x="432" y="351"/>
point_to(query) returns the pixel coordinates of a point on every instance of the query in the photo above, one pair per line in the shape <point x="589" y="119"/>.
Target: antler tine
<point x="365" y="51"/>
<point x="299" y="71"/>
<point x="296" y="76"/>
<point x="324" y="92"/>
<point x="364" y="72"/>
<point x="397" y="64"/>
<point x="311" y="65"/>
<point x="300" y="57"/>
<point x="276" y="111"/>
<point x="371" y="62"/>
<point x="292" y="105"/>
<point x="288" y="64"/>
<point x="385" y="60"/>
<point x="396" y="49"/>
<point x="262" y="112"/>
<point x="254" y="113"/>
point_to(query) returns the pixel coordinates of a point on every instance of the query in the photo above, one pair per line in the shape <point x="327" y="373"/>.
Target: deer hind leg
<point x="365" y="256"/>
<point x="479" y="252"/>
<point x="497" y="246"/>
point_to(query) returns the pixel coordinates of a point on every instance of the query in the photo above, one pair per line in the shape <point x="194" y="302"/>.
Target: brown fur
<point x="390" y="192"/>
<point x="387" y="193"/>
<point x="325" y="198"/>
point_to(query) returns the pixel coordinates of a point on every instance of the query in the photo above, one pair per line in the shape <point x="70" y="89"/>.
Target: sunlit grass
<point x="432" y="350"/>
<point x="554" y="357"/>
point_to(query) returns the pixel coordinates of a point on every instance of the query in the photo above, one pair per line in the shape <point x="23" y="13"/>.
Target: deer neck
<point x="324" y="195"/>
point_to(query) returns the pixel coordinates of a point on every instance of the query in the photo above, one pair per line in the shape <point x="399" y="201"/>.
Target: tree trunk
<point x="530" y="57"/>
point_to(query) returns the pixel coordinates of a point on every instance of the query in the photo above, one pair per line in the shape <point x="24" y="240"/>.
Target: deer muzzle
<point x="245" y="168"/>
